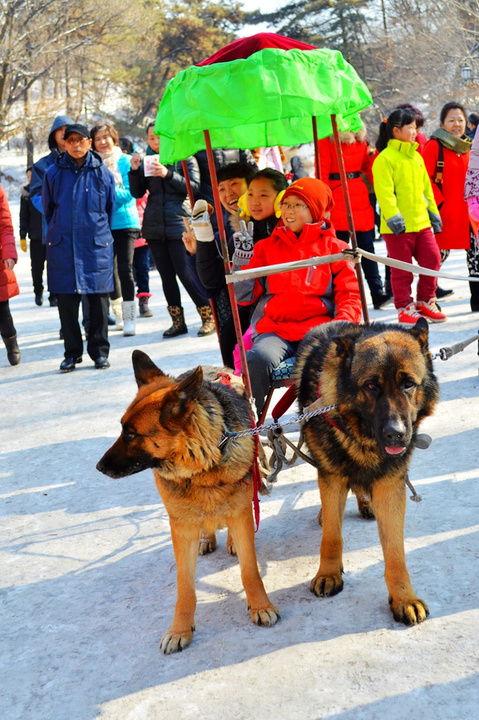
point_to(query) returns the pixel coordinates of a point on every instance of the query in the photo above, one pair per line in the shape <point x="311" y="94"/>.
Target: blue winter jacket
<point x="126" y="214"/>
<point x="78" y="204"/>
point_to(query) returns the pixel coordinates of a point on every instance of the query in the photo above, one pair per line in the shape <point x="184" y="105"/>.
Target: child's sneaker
<point x="408" y="315"/>
<point x="430" y="311"/>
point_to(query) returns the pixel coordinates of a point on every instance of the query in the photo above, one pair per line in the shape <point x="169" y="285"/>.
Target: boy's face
<point x="230" y="192"/>
<point x="153" y="140"/>
<point x="295" y="214"/>
<point x="261" y="197"/>
<point x="58" y="137"/>
<point x="77" y="147"/>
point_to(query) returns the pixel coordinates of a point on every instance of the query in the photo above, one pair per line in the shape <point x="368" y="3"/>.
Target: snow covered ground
<point x="88" y="573"/>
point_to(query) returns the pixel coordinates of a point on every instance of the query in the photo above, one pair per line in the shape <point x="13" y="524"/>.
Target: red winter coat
<point x="450" y="198"/>
<point x="291" y="303"/>
<point x="356" y="160"/>
<point x="8" y="282"/>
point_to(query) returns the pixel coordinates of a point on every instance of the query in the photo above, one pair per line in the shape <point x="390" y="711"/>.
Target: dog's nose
<point x="100" y="466"/>
<point x="394" y="432"/>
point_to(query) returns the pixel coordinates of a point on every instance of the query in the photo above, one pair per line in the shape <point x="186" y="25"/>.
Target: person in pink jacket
<point x="288" y="304"/>
<point x="8" y="282"/>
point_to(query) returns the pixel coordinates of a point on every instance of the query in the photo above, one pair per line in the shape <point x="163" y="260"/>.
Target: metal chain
<point x="274" y="426"/>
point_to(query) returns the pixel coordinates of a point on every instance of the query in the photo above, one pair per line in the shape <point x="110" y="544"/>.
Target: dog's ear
<point x="344" y="347"/>
<point x="144" y="368"/>
<point x="421" y="331"/>
<point x="179" y="402"/>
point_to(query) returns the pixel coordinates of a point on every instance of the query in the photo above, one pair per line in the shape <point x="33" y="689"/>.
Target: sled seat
<point x="282" y="376"/>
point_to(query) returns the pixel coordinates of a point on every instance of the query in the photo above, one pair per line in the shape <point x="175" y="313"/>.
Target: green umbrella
<point x="260" y="98"/>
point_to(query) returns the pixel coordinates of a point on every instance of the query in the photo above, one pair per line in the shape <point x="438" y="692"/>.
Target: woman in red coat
<point x="357" y="161"/>
<point x="8" y="282"/>
<point x="450" y="145"/>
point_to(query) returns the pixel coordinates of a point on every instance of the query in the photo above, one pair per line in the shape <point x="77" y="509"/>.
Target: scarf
<point x="460" y="145"/>
<point x="110" y="160"/>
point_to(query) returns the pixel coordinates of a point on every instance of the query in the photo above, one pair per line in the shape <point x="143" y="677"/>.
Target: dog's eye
<point x="129" y="436"/>
<point x="372" y="387"/>
<point x="409" y="384"/>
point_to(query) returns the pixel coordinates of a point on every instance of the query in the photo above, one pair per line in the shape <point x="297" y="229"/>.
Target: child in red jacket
<point x="291" y="303"/>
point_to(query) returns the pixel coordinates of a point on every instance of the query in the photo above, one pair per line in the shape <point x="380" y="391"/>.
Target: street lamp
<point x="466" y="72"/>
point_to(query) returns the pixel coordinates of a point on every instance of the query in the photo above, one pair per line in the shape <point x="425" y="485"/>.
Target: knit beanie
<point x="315" y="193"/>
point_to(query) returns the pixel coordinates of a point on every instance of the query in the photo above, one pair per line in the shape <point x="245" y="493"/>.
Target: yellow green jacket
<point x="402" y="185"/>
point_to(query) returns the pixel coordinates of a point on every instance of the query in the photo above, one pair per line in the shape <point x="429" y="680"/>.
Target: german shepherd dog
<point x="381" y="381"/>
<point x="176" y="427"/>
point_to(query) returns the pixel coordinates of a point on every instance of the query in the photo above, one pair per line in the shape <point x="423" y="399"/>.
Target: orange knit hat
<point x="315" y="193"/>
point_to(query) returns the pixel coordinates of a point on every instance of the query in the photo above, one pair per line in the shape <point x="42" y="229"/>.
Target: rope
<point x="348" y="255"/>
<point x="410" y="267"/>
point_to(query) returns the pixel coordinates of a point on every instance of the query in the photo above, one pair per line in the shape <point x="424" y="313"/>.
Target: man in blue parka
<point x="78" y="200"/>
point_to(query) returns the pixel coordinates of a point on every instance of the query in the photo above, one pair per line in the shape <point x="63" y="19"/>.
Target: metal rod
<point x="226" y="261"/>
<point x="317" y="164"/>
<point x="240" y="275"/>
<point x="349" y="213"/>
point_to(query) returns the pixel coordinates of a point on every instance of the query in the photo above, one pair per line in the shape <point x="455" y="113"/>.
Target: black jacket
<point x="30" y="218"/>
<point x="167" y="202"/>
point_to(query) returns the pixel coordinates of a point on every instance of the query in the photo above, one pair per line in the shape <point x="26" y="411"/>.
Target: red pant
<point x="423" y="247"/>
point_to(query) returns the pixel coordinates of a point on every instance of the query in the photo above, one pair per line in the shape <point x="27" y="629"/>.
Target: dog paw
<point x="230" y="547"/>
<point x="409" y="612"/>
<point x="267" y="617"/>
<point x="326" y="585"/>
<point x="207" y="543"/>
<point x="172" y="642"/>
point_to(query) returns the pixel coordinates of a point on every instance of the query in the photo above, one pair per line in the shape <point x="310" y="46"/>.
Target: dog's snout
<point x="394" y="431"/>
<point x="100" y="466"/>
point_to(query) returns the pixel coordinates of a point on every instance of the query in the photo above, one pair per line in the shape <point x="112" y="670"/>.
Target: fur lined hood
<point x="348" y="137"/>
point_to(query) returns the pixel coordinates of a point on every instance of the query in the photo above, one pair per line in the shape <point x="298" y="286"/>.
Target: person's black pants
<point x="365" y="240"/>
<point x="170" y="259"/>
<point x="38" y="254"/>
<point x="97" y="344"/>
<point x="123" y="249"/>
<point x="7" y="328"/>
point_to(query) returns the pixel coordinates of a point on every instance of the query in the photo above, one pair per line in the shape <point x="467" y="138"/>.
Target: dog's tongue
<point x="395" y="449"/>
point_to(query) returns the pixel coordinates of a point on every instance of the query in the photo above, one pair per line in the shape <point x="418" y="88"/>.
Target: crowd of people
<point x="99" y="214"/>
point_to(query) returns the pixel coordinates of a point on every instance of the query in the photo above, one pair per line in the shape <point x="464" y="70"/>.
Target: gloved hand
<point x="473" y="207"/>
<point x="201" y="222"/>
<point x="23" y="244"/>
<point x="243" y="242"/>
<point x="396" y="224"/>
<point x="436" y="221"/>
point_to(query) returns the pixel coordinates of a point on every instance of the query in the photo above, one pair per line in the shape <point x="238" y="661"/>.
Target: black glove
<point x="396" y="224"/>
<point x="243" y="242"/>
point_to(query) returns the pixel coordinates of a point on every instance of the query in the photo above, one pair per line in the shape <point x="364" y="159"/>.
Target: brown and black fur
<point x="381" y="379"/>
<point x="175" y="427"/>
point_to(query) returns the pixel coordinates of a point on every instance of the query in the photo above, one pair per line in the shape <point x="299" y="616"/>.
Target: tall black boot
<point x="13" y="351"/>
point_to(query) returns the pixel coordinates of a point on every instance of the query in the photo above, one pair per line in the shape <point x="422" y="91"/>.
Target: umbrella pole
<point x="349" y="212"/>
<point x="189" y="190"/>
<point x="226" y="260"/>
<point x="317" y="164"/>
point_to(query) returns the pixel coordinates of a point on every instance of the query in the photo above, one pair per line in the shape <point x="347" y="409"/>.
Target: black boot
<point x="13" y="351"/>
<point x="179" y="326"/>
<point x="474" y="286"/>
